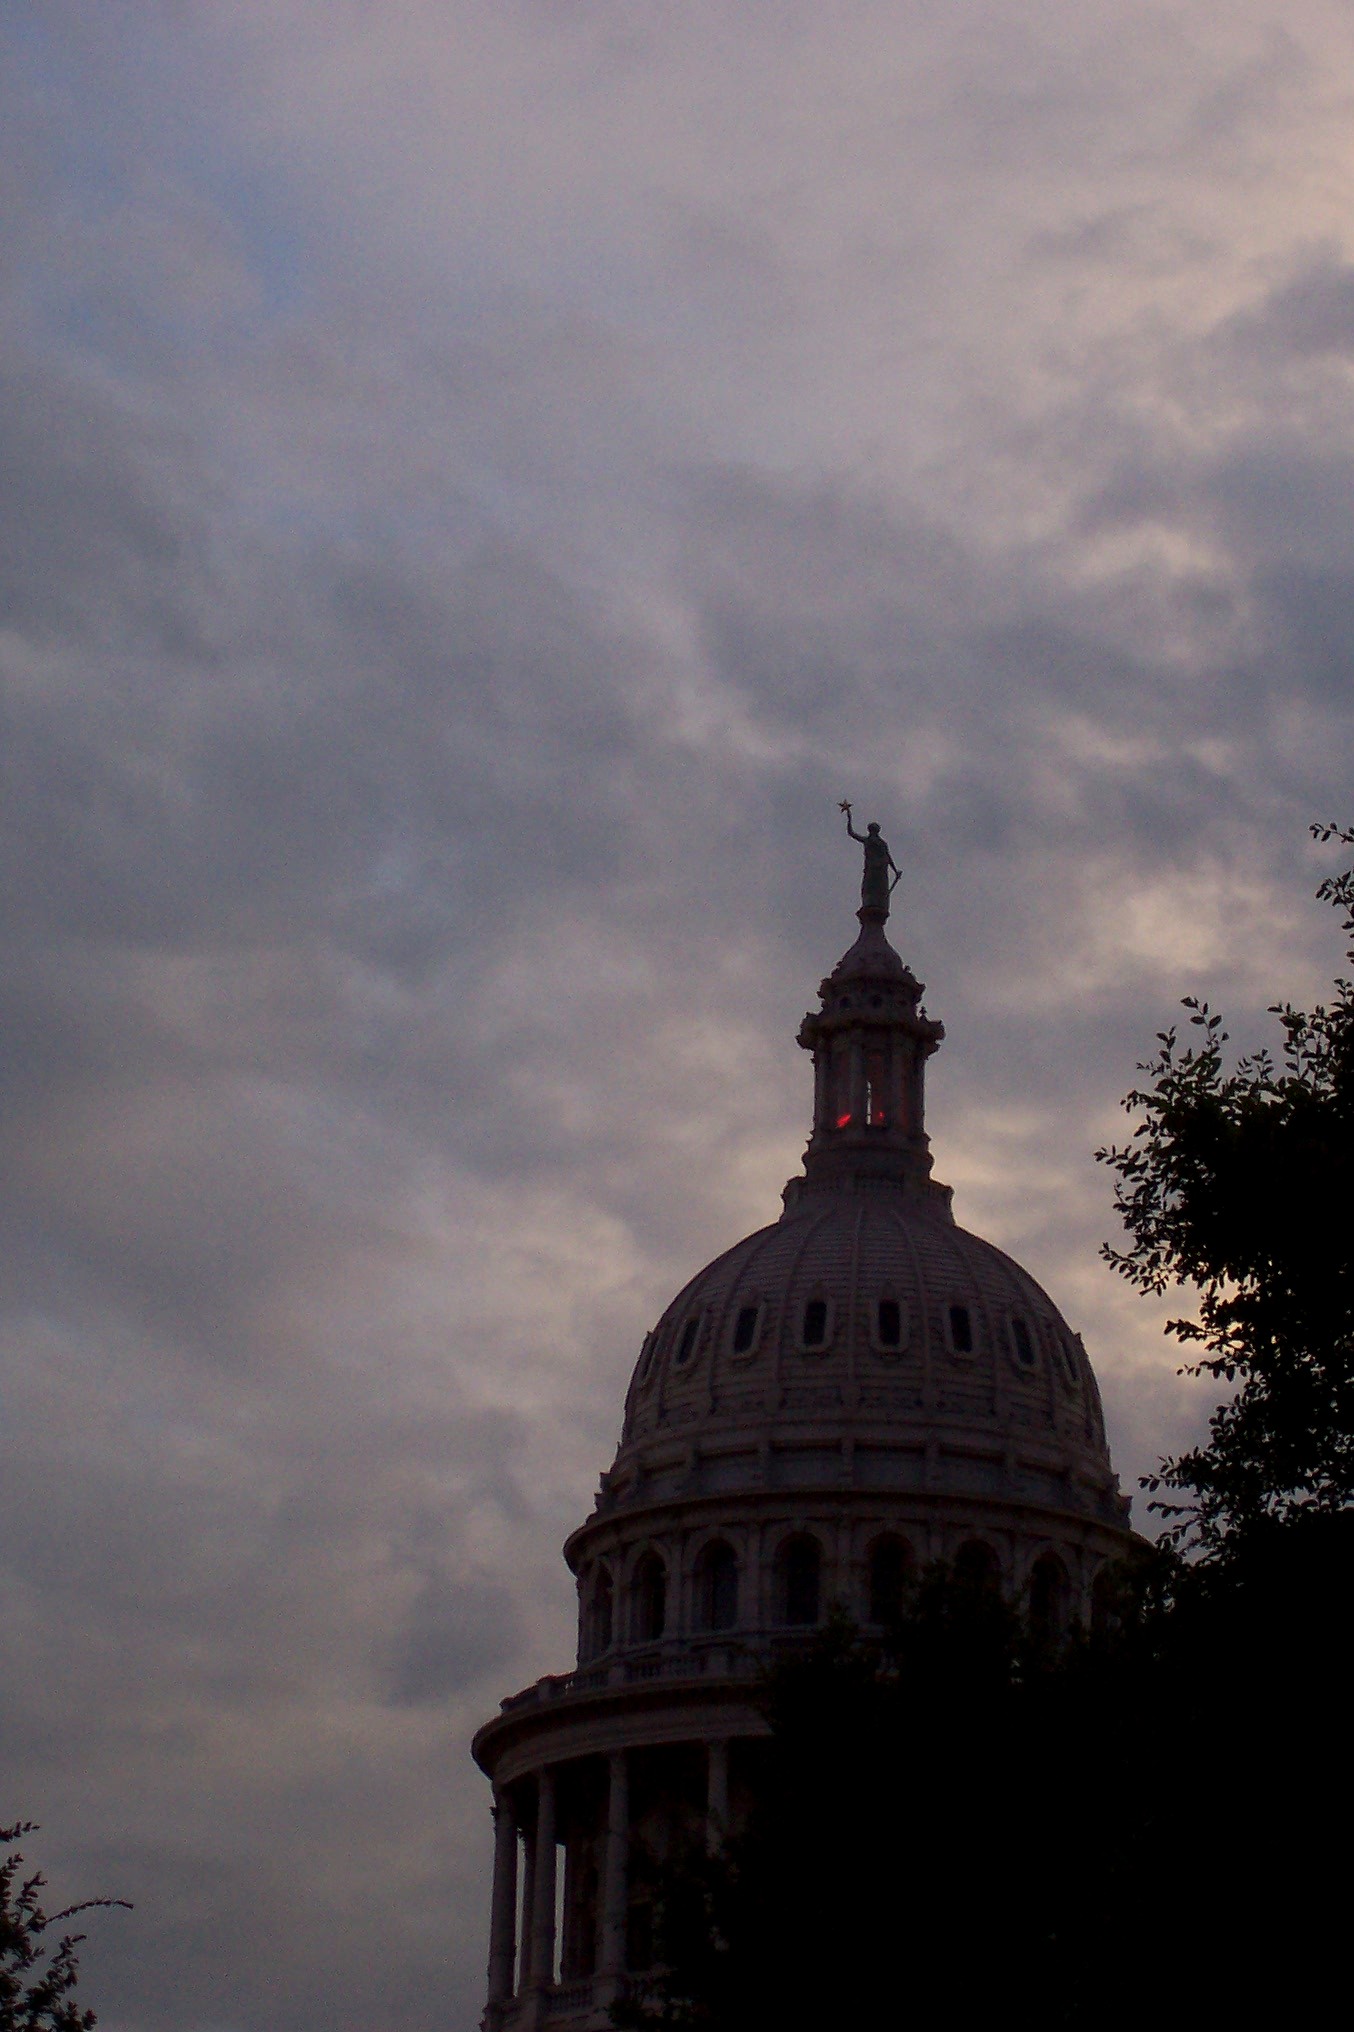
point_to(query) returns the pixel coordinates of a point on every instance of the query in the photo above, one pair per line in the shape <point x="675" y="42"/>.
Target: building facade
<point x="845" y="1396"/>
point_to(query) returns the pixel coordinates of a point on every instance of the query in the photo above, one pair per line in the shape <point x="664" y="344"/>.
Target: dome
<point x="864" y="1336"/>
<point x="859" y="1320"/>
<point x="861" y="1310"/>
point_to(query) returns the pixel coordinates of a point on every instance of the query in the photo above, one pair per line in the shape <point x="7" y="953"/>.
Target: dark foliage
<point x="1240" y="1184"/>
<point x="959" y="1829"/>
<point x="36" y="1980"/>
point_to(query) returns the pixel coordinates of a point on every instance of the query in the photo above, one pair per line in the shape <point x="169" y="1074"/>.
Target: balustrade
<point x="682" y="1659"/>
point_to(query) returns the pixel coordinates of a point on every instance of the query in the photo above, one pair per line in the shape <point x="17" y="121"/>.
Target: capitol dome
<point x="889" y="1323"/>
<point x="853" y="1394"/>
<point x="866" y="1342"/>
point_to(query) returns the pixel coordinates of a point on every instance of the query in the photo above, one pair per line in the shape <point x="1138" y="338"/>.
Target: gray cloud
<point x="472" y="497"/>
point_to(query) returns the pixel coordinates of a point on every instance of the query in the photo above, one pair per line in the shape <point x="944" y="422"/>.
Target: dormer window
<point x="1022" y="1342"/>
<point x="813" y="1332"/>
<point x="686" y="1344"/>
<point x="961" y="1330"/>
<point x="888" y="1325"/>
<point x="747" y="1320"/>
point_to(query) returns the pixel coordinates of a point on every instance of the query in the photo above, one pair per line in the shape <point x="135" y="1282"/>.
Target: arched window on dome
<point x="960" y="1321"/>
<point x="892" y="1574"/>
<point x="799" y="1566"/>
<point x="889" y="1326"/>
<point x="649" y="1600"/>
<point x="977" y="1568"/>
<point x="717" y="1587"/>
<point x="747" y="1323"/>
<point x="1050" y="1600"/>
<point x="1022" y="1342"/>
<point x="815" y="1325"/>
<point x="687" y="1341"/>
<point x="601" y="1613"/>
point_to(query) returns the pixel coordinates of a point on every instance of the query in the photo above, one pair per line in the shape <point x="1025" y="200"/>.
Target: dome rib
<point x="928" y="1381"/>
<point x="778" y="1371"/>
<point x="853" y="1316"/>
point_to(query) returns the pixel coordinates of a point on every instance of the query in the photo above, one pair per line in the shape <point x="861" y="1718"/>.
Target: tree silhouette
<point x="36" y="1980"/>
<point x="1239" y="1183"/>
<point x="959" y="1827"/>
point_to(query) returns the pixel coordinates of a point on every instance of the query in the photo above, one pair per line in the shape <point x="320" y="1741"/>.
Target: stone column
<point x="543" y="1892"/>
<point x="503" y="1923"/>
<point x="525" y="1945"/>
<point x="615" y="1901"/>
<point x="716" y="1796"/>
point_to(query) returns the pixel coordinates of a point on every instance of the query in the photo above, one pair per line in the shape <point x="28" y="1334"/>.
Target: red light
<point x="842" y="1121"/>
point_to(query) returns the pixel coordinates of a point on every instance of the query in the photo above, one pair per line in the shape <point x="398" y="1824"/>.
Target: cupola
<point x="870" y="1041"/>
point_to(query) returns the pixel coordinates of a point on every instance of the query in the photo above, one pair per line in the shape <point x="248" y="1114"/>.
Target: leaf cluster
<point x="36" y="1980"/>
<point x="1237" y="1183"/>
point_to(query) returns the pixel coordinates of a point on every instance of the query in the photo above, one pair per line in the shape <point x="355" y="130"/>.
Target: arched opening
<point x="603" y="1613"/>
<point x="717" y="1587"/>
<point x="876" y="1090"/>
<point x="798" y="1580"/>
<point x="840" y="1084"/>
<point x="649" y="1599"/>
<point x="977" y="1569"/>
<point x="1050" y="1599"/>
<point x="892" y="1570"/>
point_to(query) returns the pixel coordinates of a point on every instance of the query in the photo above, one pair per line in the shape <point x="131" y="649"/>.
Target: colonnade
<point x="846" y="1554"/>
<point x="525" y="1969"/>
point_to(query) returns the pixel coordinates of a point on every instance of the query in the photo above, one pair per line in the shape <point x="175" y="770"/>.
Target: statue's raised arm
<point x="846" y="807"/>
<point x="875" y="886"/>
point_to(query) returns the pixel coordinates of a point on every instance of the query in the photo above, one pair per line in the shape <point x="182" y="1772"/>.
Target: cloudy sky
<point x="479" y="479"/>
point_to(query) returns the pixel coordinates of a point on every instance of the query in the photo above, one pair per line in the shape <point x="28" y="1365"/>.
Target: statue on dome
<point x="875" y="886"/>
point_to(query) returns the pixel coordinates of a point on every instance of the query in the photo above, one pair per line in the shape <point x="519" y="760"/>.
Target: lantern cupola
<point x="870" y="1041"/>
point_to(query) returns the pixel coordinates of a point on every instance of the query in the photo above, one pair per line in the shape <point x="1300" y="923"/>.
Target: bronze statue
<point x="875" y="886"/>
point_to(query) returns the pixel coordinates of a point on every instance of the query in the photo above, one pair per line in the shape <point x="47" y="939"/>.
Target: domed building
<point x="845" y="1396"/>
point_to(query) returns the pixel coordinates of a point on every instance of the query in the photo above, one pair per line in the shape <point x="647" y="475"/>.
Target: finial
<point x="875" y="886"/>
